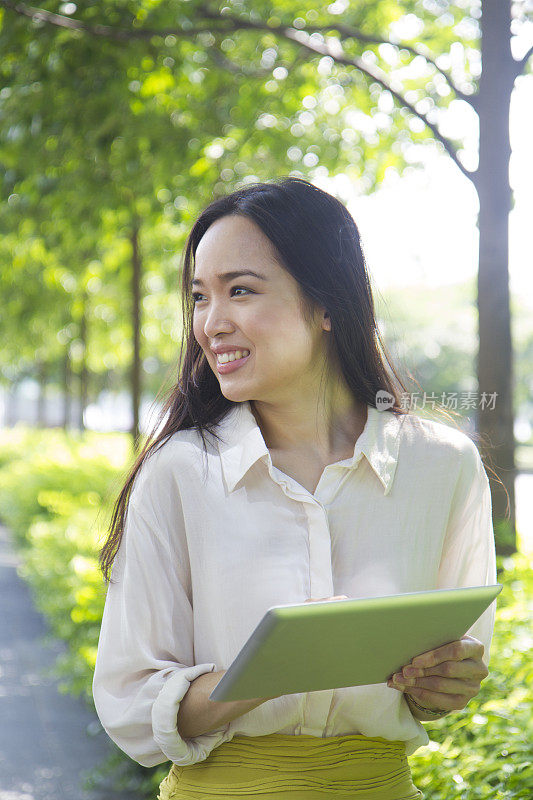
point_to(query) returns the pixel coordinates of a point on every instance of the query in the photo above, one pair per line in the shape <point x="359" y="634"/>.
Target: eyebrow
<point x="229" y="276"/>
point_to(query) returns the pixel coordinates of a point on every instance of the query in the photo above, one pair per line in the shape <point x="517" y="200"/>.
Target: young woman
<point x="279" y="477"/>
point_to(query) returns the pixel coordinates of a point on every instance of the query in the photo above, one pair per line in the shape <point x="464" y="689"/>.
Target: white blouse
<point x="210" y="544"/>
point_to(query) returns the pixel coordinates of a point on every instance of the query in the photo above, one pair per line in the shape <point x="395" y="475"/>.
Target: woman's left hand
<point x="446" y="678"/>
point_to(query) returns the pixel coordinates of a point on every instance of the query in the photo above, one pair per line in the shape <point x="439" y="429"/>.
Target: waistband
<point x="296" y="768"/>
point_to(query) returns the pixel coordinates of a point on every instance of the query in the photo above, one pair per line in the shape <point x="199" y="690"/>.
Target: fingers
<point x="447" y="701"/>
<point x="467" y="670"/>
<point x="434" y="700"/>
<point x="436" y="683"/>
<point x="461" y="649"/>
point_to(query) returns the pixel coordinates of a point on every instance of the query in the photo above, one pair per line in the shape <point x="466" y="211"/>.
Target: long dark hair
<point x="318" y="243"/>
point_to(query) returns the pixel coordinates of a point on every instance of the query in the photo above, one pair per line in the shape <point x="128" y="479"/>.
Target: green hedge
<point x="56" y="492"/>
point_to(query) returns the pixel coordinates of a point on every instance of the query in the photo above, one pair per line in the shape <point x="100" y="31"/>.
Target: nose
<point x="216" y="322"/>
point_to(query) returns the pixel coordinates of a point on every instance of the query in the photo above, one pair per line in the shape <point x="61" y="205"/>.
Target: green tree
<point x="256" y="89"/>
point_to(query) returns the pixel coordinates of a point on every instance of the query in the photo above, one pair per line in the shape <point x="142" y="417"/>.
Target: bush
<point x="484" y="751"/>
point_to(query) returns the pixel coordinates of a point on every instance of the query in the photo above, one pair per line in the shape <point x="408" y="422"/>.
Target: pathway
<point x="48" y="740"/>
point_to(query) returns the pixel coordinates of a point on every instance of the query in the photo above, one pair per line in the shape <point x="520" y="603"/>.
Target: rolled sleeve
<point x="145" y="660"/>
<point x="469" y="552"/>
<point x="164" y="716"/>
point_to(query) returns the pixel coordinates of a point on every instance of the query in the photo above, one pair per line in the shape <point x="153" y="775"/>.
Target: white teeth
<point x="223" y="358"/>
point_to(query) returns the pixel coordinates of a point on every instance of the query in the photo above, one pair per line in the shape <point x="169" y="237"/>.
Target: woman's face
<point x="259" y="314"/>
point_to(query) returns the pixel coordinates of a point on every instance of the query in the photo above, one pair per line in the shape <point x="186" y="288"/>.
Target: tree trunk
<point x="136" y="331"/>
<point x="66" y="387"/>
<point x="41" y="398"/>
<point x="495" y="355"/>
<point x="84" y="375"/>
<point x="11" y="403"/>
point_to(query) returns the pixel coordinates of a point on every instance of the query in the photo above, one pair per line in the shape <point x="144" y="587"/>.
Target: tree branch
<point x="230" y="66"/>
<point x="520" y="64"/>
<point x="123" y="34"/>
<point x="238" y="69"/>
<point x="355" y="34"/>
<point x="347" y="33"/>
<point x="301" y="37"/>
<point x="110" y="32"/>
<point x="297" y="36"/>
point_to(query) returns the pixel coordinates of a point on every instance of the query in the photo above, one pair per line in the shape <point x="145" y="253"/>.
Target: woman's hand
<point x="446" y="678"/>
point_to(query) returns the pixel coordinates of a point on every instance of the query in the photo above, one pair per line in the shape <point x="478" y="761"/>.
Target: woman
<point x="309" y="489"/>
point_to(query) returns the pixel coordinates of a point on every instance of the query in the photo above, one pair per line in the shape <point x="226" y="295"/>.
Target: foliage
<point x="97" y="132"/>
<point x="485" y="750"/>
<point x="47" y="476"/>
<point x="53" y="490"/>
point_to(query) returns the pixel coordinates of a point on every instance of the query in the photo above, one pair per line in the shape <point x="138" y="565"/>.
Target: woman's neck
<point x="307" y="427"/>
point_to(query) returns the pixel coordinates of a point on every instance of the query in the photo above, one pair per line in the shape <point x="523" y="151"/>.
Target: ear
<point x="326" y="321"/>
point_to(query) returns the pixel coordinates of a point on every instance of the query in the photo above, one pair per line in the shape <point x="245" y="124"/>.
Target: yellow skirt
<point x="353" y="767"/>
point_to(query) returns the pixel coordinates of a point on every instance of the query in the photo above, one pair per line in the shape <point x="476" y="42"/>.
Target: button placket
<point x="316" y="705"/>
<point x="320" y="569"/>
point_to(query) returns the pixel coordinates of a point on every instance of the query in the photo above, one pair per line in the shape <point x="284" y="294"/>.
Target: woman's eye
<point x="197" y="295"/>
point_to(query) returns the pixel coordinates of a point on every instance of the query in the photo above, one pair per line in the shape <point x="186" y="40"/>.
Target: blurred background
<point x="119" y="122"/>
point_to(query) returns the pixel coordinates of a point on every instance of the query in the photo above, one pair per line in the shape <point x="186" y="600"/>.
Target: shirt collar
<point x="241" y="444"/>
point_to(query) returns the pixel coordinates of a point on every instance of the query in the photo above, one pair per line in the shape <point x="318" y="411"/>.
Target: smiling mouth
<point x="232" y="366"/>
<point x="234" y="355"/>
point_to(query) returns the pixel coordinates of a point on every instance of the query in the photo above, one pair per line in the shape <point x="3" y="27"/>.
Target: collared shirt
<point x="212" y="542"/>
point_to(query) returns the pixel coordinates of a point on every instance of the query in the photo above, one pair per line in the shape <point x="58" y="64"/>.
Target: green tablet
<point x="306" y="647"/>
